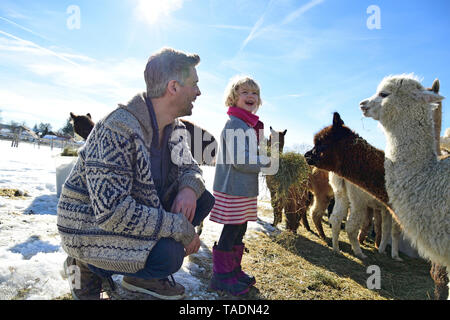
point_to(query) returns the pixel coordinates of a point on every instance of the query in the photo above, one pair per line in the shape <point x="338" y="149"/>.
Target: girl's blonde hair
<point x="232" y="90"/>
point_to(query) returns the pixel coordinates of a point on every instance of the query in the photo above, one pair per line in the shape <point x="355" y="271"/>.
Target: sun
<point x="152" y="11"/>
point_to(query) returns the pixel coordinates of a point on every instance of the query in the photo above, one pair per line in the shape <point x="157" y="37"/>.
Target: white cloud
<point x="57" y="82"/>
<point x="300" y="11"/>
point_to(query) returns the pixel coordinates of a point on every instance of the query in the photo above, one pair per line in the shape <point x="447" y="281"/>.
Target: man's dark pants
<point x="167" y="255"/>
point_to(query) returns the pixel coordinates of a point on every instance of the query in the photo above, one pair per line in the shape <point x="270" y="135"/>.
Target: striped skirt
<point x="233" y="209"/>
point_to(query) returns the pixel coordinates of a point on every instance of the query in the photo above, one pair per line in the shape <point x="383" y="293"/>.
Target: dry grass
<point x="301" y="266"/>
<point x="13" y="193"/>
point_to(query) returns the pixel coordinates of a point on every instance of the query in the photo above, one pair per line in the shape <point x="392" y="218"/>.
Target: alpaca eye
<point x="384" y="94"/>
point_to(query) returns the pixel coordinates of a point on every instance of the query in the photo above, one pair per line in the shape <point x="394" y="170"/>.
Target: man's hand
<point x="193" y="246"/>
<point x="186" y="203"/>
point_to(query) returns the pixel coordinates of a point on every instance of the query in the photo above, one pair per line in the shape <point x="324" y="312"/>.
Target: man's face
<point x="188" y="93"/>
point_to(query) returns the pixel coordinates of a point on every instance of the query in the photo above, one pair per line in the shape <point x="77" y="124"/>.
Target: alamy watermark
<point x="374" y="280"/>
<point x="374" y="20"/>
<point x="74" y="20"/>
<point x="241" y="146"/>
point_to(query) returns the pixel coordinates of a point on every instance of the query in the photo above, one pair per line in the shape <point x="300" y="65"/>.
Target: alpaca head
<point x="82" y="125"/>
<point x="273" y="137"/>
<point x="399" y="97"/>
<point x="329" y="145"/>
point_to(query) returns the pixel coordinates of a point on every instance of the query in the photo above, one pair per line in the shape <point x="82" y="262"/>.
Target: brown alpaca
<point x="207" y="153"/>
<point x="297" y="202"/>
<point x="83" y="125"/>
<point x="337" y="148"/>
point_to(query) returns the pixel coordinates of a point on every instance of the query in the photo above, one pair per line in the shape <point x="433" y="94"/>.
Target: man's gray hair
<point x="166" y="65"/>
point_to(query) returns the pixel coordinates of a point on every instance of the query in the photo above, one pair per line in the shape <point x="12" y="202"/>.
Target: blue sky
<point x="310" y="57"/>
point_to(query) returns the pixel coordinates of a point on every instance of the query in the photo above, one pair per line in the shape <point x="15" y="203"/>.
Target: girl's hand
<point x="186" y="203"/>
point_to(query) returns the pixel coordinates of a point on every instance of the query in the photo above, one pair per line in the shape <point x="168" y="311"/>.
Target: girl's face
<point x="248" y="99"/>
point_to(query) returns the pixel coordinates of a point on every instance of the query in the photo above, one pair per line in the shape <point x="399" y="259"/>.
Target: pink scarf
<point x="249" y="118"/>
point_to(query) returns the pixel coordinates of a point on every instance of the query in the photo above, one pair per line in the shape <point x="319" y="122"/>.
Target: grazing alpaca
<point x="340" y="150"/>
<point x="296" y="203"/>
<point x="349" y="196"/>
<point x="417" y="182"/>
<point x="82" y="125"/>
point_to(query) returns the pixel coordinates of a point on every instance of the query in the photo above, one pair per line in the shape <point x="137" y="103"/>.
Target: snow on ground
<point x="31" y="256"/>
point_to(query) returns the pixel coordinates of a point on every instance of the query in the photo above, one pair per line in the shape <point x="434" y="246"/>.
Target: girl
<point x="236" y="184"/>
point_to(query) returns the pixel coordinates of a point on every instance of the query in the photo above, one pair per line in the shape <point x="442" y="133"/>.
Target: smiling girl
<point x="236" y="184"/>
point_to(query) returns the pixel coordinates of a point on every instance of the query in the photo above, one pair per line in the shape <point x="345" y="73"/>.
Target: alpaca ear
<point x="428" y="96"/>
<point x="89" y="116"/>
<point x="337" y="121"/>
<point x="284" y="132"/>
<point x="72" y="115"/>
<point x="436" y="86"/>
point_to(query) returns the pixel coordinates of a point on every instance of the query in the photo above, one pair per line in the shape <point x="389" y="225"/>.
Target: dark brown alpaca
<point x="337" y="148"/>
<point x="83" y="125"/>
<point x="297" y="202"/>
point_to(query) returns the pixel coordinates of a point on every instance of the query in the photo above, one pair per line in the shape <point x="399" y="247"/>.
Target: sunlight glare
<point x="154" y="10"/>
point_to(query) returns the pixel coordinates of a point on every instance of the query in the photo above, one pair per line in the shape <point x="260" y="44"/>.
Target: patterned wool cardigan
<point x="109" y="212"/>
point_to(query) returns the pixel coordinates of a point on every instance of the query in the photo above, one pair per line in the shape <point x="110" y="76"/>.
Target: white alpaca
<point x="347" y="195"/>
<point x="416" y="181"/>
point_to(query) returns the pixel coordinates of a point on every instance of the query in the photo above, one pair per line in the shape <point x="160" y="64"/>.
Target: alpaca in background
<point x="318" y="186"/>
<point x="349" y="196"/>
<point x="204" y="155"/>
<point x="417" y="182"/>
<point x="295" y="204"/>
<point x="82" y="125"/>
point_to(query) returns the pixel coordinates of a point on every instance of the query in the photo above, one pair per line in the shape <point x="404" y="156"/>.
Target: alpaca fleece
<point x="417" y="182"/>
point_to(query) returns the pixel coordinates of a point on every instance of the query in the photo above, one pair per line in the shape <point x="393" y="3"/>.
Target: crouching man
<point x="130" y="205"/>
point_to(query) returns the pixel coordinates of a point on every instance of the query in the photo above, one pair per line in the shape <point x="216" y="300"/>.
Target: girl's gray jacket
<point x="238" y="161"/>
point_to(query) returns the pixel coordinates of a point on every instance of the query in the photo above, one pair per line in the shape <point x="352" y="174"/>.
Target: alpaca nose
<point x="363" y="105"/>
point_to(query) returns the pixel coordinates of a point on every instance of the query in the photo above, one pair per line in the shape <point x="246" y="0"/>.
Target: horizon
<point x="310" y="58"/>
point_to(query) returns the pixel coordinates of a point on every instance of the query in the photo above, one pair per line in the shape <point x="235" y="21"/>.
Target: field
<point x="286" y="266"/>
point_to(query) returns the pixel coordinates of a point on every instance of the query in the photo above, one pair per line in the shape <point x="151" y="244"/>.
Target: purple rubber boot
<point x="241" y="275"/>
<point x="223" y="278"/>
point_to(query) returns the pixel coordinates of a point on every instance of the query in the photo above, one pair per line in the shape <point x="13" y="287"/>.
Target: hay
<point x="69" y="152"/>
<point x="293" y="171"/>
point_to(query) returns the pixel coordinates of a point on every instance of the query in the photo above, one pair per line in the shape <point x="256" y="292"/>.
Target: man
<point x="130" y="205"/>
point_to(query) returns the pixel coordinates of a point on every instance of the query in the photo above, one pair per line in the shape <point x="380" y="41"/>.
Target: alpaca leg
<point x="277" y="210"/>
<point x="340" y="211"/>
<point x="317" y="212"/>
<point x="386" y="222"/>
<point x="377" y="226"/>
<point x="292" y="216"/>
<point x="366" y="225"/>
<point x="352" y="227"/>
<point x="396" y="233"/>
<point x="440" y="278"/>
<point x="302" y="206"/>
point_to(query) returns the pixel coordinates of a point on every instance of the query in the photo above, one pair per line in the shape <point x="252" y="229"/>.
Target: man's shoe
<point x="84" y="284"/>
<point x="160" y="288"/>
